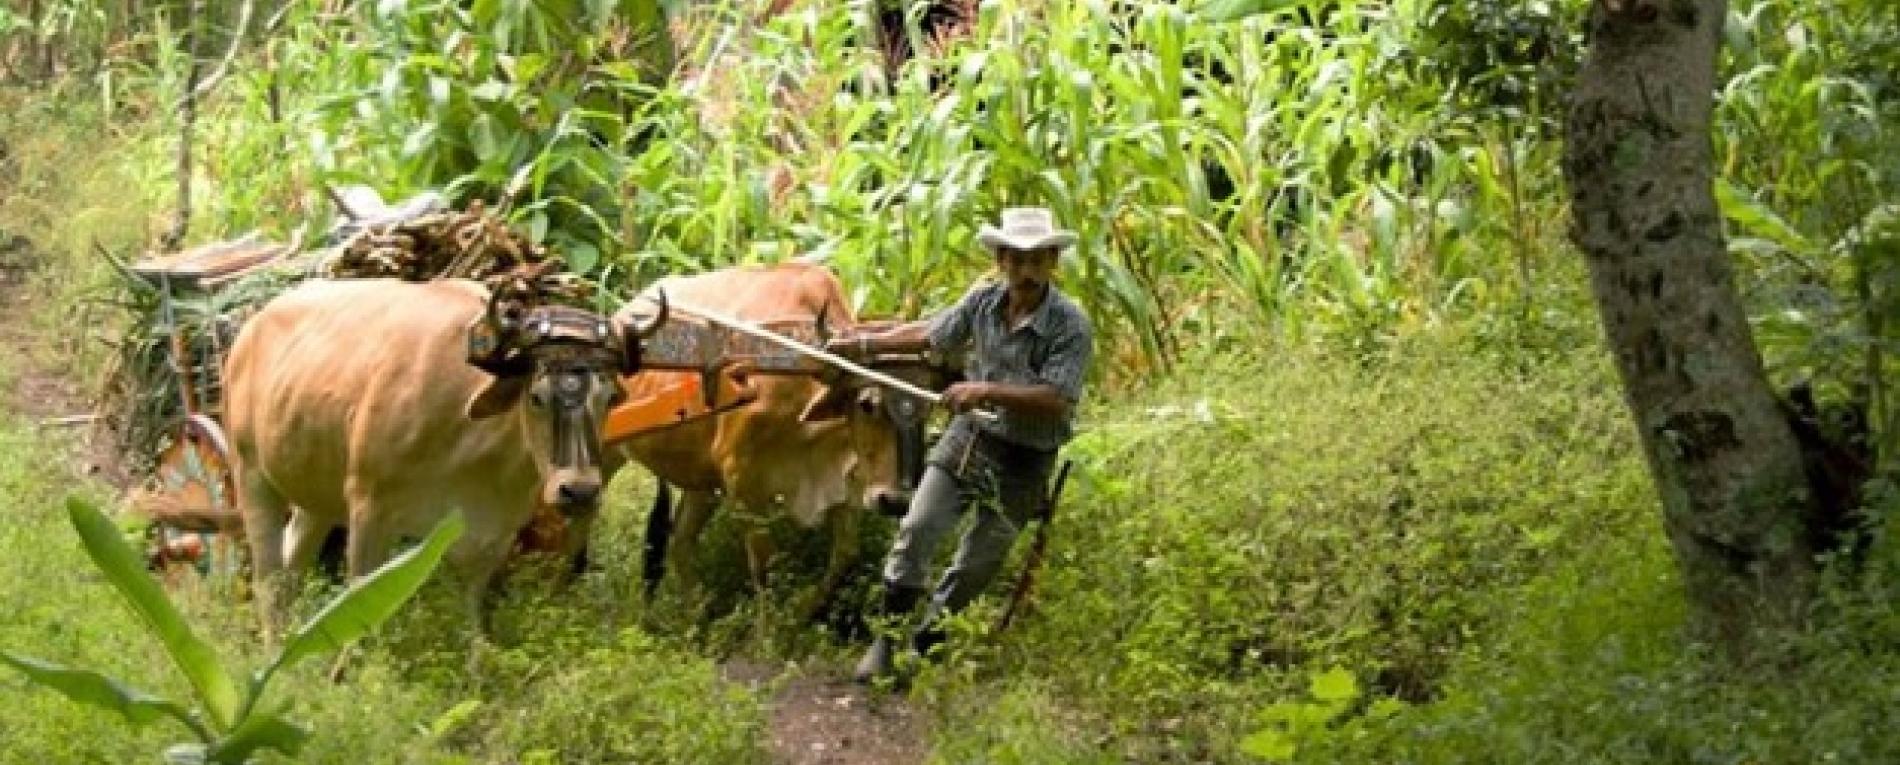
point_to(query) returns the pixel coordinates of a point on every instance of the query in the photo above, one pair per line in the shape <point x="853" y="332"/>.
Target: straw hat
<point x="1025" y="228"/>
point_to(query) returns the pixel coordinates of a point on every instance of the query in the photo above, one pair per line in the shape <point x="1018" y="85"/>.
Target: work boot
<point x="928" y="636"/>
<point x="898" y="602"/>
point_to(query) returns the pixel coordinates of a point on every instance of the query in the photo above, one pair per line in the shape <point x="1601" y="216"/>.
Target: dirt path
<point x="819" y="717"/>
<point x="41" y="393"/>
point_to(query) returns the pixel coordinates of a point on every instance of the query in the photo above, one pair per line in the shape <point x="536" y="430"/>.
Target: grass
<point x="1407" y="461"/>
<point x="574" y="687"/>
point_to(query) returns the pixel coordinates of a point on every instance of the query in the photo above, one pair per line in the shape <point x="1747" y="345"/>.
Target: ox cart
<point x="189" y="499"/>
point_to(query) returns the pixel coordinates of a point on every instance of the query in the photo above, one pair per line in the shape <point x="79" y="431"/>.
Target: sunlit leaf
<point x="88" y="687"/>
<point x="372" y="599"/>
<point x="260" y="731"/>
<point x="1236" y="10"/>
<point x="125" y="569"/>
<point x="1336" y="684"/>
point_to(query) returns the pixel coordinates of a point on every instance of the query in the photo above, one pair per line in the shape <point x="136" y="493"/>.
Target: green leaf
<point x="260" y="731"/>
<point x="419" y="140"/>
<point x="492" y="90"/>
<point x="88" y="687"/>
<point x="1757" y="219"/>
<point x="185" y="754"/>
<point x="454" y="719"/>
<point x="1336" y="684"/>
<point x="370" y="600"/>
<point x="124" y="569"/>
<point x="581" y="256"/>
<point x="1271" y="745"/>
<point x="1219" y="11"/>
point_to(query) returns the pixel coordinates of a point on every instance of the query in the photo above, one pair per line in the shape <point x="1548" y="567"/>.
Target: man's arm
<point x="912" y="337"/>
<point x="949" y="328"/>
<point x="1038" y="399"/>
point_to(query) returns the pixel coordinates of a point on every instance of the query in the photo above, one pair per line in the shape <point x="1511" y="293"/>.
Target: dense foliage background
<point x="1356" y="481"/>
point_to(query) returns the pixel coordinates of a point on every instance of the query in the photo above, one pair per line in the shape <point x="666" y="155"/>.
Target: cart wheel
<point x="195" y="472"/>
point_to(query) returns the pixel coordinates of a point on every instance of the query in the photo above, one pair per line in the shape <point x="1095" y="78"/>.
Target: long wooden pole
<point x="748" y="328"/>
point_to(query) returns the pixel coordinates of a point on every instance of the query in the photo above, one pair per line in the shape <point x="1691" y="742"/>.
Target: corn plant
<point x="227" y="722"/>
<point x="1806" y="146"/>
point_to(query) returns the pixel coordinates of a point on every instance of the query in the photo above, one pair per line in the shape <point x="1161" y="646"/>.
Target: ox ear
<point x="830" y="403"/>
<point x="499" y="395"/>
<point x="836" y="401"/>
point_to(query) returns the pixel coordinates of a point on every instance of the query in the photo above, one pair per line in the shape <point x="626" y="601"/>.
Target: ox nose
<point x="578" y="496"/>
<point x="892" y="503"/>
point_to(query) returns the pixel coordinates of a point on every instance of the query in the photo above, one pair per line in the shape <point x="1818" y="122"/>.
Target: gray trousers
<point x="940" y="501"/>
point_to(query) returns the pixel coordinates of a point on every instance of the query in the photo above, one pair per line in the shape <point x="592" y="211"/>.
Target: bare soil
<point x="820" y="717"/>
<point x="41" y="393"/>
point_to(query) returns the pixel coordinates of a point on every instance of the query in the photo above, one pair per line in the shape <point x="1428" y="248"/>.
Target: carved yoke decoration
<point x="725" y="361"/>
<point x="690" y="343"/>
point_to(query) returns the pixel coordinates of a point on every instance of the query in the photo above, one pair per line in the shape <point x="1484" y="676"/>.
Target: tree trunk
<point x="1728" y="468"/>
<point x="187" y="119"/>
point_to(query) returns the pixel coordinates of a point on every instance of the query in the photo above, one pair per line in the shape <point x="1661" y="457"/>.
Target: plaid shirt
<point x="1051" y="348"/>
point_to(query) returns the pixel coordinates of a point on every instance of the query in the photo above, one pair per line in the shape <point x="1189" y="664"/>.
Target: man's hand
<point x="964" y="396"/>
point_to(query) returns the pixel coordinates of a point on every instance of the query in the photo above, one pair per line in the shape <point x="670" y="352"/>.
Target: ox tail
<point x="659" y="532"/>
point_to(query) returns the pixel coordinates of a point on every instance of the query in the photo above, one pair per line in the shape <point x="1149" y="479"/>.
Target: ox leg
<point x="303" y="539"/>
<point x="843" y="524"/>
<point x="759" y="552"/>
<point x="368" y="544"/>
<point x="658" y="535"/>
<point x="696" y="508"/>
<point x="477" y="561"/>
<point x="266" y="513"/>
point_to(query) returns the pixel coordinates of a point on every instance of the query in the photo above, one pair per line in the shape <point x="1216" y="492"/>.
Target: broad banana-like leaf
<point x="186" y="754"/>
<point x="259" y="731"/>
<point x="370" y="600"/>
<point x="126" y="572"/>
<point x="89" y="687"/>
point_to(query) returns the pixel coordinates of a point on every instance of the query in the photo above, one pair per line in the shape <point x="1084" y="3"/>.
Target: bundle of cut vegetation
<point x="471" y="244"/>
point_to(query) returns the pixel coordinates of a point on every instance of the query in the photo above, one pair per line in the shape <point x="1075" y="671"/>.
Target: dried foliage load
<point x="471" y="244"/>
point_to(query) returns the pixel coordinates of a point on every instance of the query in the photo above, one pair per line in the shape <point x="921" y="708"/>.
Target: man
<point x="1027" y="346"/>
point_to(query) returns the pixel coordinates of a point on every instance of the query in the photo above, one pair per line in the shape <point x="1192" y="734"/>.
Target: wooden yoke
<point x="677" y="404"/>
<point x="724" y="361"/>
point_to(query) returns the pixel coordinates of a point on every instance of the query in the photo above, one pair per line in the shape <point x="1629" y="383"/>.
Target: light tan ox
<point x="359" y="403"/>
<point x="819" y="454"/>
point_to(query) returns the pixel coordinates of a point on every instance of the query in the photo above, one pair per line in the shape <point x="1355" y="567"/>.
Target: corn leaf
<point x="260" y="731"/>
<point x="371" y="600"/>
<point x="126" y="572"/>
<point x="88" y="687"/>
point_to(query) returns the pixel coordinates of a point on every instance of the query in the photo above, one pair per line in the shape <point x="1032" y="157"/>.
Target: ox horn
<point x="643" y="331"/>
<point x="629" y="339"/>
<point x="495" y="319"/>
<point x="823" y="324"/>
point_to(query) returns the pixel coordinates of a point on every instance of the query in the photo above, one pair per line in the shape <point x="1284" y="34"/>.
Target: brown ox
<point x="359" y="404"/>
<point x="804" y="449"/>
